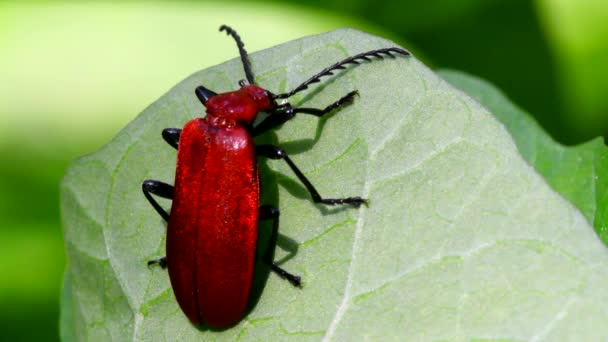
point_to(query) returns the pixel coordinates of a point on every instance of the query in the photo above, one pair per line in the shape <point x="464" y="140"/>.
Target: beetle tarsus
<point x="295" y="280"/>
<point x="162" y="262"/>
<point x="352" y="201"/>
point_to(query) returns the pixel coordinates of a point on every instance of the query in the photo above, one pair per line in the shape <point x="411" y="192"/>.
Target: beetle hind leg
<point x="164" y="190"/>
<point x="271" y="213"/>
<point x="293" y="279"/>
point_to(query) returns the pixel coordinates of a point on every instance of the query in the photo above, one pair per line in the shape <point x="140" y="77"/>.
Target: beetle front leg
<point x="275" y="152"/>
<point x="271" y="213"/>
<point x="346" y="99"/>
<point x="286" y="112"/>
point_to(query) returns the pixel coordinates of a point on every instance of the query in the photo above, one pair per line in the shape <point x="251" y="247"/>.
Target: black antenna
<point x="365" y="56"/>
<point x="241" y="46"/>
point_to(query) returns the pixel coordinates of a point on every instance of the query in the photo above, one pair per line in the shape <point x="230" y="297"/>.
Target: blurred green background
<point x="72" y="74"/>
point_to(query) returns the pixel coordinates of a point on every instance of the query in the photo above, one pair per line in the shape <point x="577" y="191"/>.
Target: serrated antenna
<point x="356" y="59"/>
<point x="242" y="51"/>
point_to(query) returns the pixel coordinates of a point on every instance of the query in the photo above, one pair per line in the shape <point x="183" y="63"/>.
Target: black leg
<point x="171" y="136"/>
<point x="160" y="189"/>
<point x="286" y="112"/>
<point x="162" y="262"/>
<point x="204" y="94"/>
<point x="274" y="152"/>
<point x="346" y="99"/>
<point x="271" y="213"/>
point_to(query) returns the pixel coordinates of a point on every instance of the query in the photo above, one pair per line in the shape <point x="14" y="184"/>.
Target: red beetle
<point x="213" y="225"/>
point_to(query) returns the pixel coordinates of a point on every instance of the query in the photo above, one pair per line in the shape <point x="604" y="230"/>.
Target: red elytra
<point x="214" y="216"/>
<point x="212" y="229"/>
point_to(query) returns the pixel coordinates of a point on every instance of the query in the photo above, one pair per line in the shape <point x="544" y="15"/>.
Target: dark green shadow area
<point x="503" y="42"/>
<point x="30" y="241"/>
<point x="30" y="320"/>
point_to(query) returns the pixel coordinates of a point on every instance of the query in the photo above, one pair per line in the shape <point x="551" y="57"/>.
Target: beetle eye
<point x="242" y="83"/>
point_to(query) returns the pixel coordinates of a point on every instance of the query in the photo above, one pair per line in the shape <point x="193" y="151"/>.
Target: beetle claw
<point x="295" y="280"/>
<point x="162" y="262"/>
<point x="356" y="201"/>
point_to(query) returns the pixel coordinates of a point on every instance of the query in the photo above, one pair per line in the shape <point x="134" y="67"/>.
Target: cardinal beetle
<point x="212" y="229"/>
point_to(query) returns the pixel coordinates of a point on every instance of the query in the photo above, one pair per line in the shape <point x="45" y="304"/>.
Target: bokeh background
<point x="73" y="73"/>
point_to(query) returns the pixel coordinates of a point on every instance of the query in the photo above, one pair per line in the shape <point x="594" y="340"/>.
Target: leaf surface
<point x="462" y="239"/>
<point x="577" y="172"/>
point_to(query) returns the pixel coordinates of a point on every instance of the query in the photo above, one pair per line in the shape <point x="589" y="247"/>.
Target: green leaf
<point x="578" y="173"/>
<point x="462" y="238"/>
<point x="67" y="318"/>
<point x="576" y="32"/>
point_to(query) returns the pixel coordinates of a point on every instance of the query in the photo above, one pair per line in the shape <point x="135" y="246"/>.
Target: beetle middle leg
<point x="160" y="189"/>
<point x="271" y="213"/>
<point x="275" y="152"/>
<point x="163" y="190"/>
<point x="286" y="112"/>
